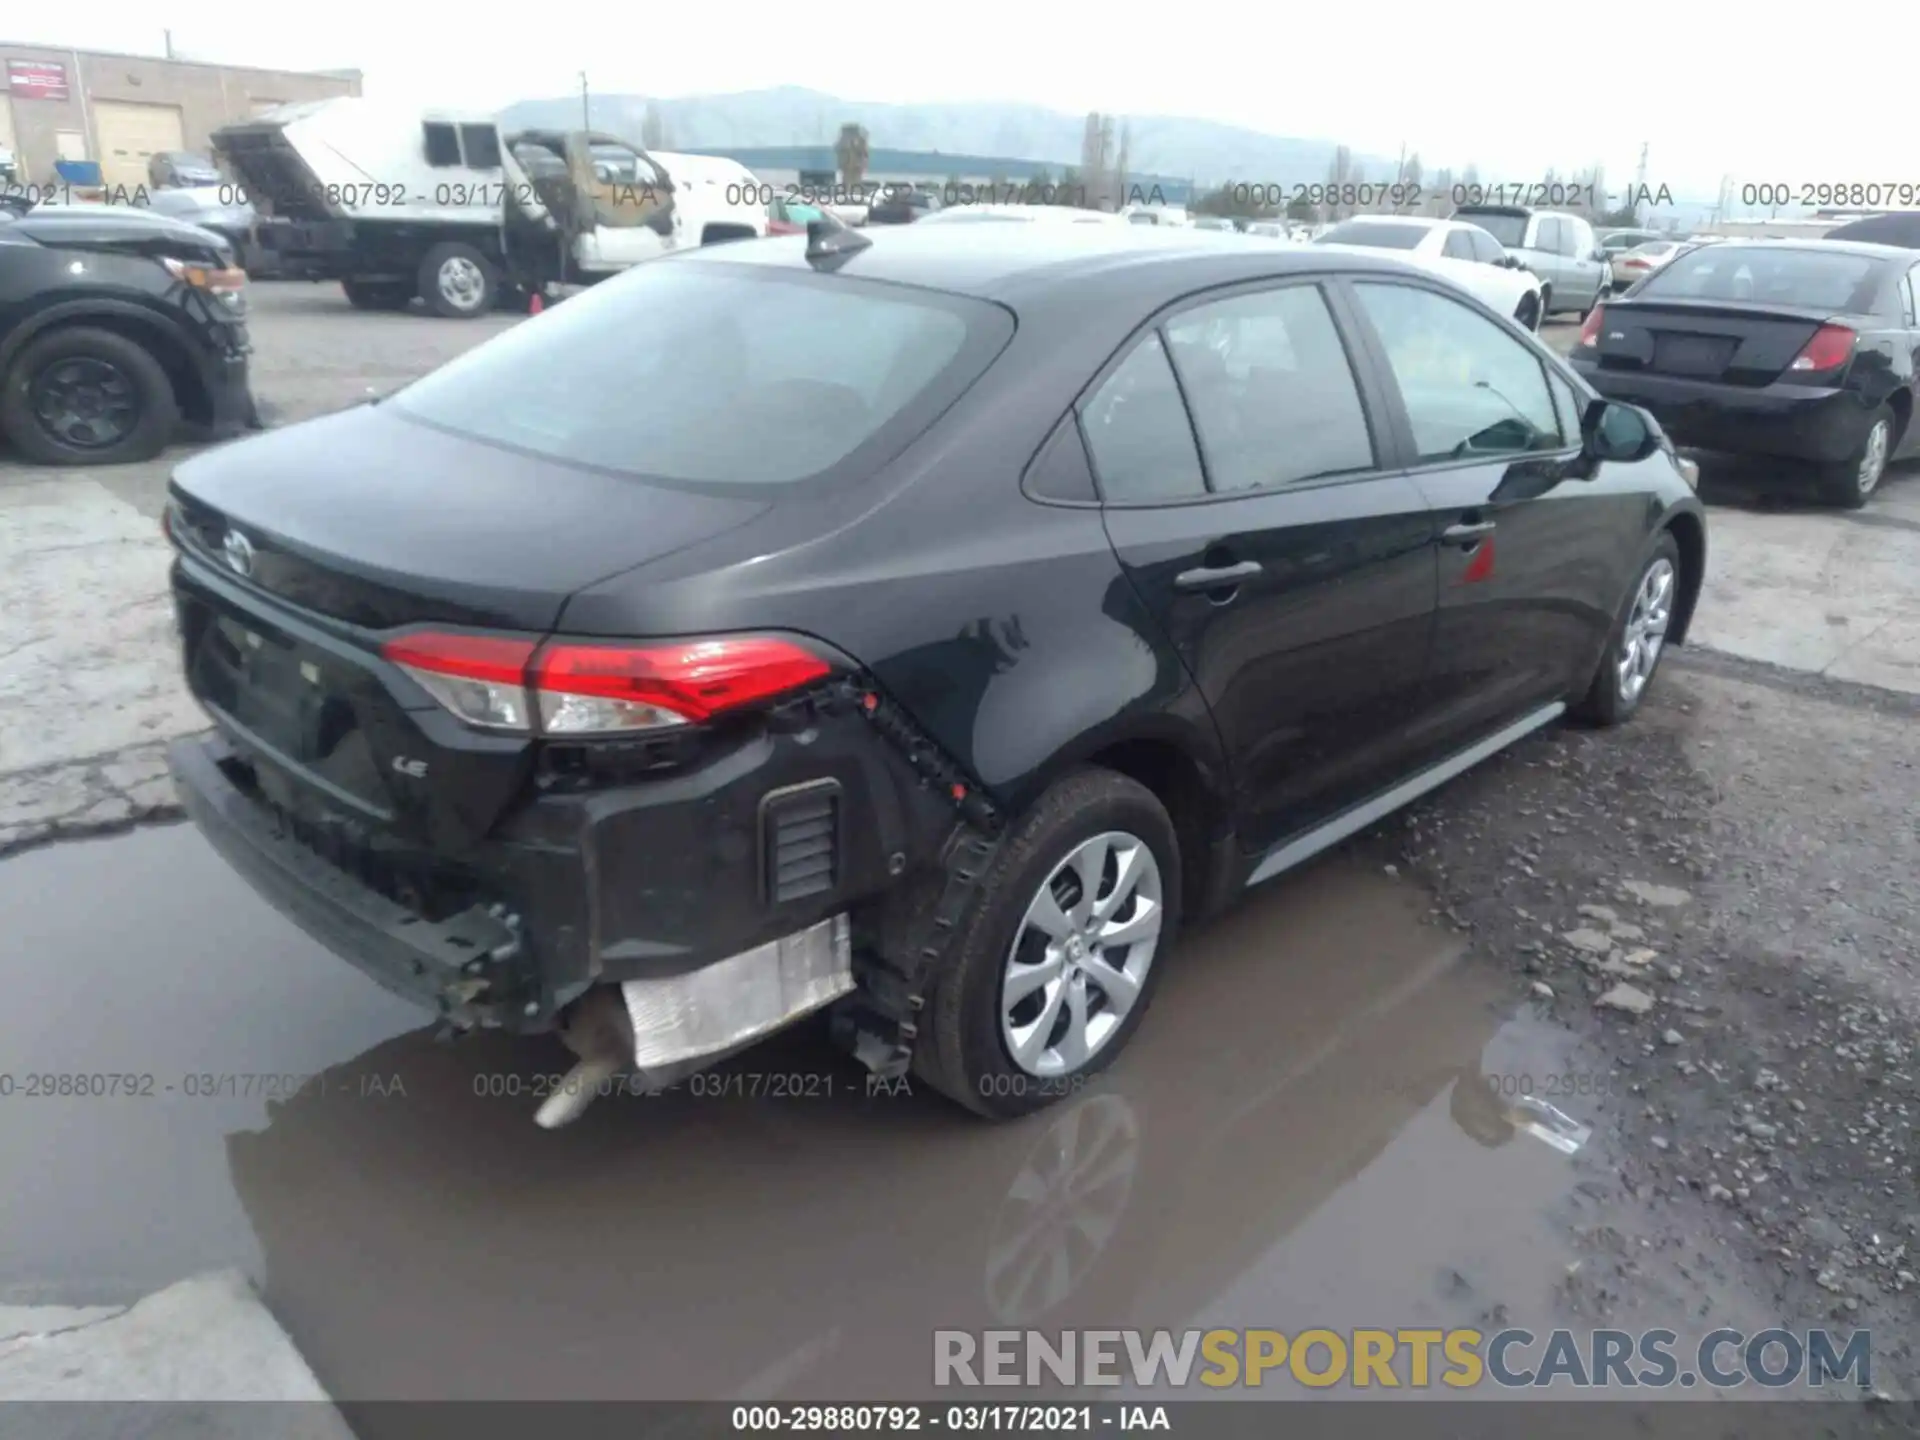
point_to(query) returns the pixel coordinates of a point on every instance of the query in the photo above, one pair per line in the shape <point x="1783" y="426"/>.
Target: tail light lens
<point x="1829" y="349"/>
<point x="1590" y="332"/>
<point x="585" y="688"/>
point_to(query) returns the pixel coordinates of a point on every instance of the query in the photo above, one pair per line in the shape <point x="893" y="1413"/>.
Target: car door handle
<point x="1217" y="577"/>
<point x="1465" y="534"/>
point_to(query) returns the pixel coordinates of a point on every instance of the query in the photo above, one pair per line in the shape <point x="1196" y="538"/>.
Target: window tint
<point x="482" y="146"/>
<point x="443" y="145"/>
<point x="1458" y="246"/>
<point x="1382" y="235"/>
<point x="1272" y="394"/>
<point x="1470" y="388"/>
<point x="1579" y="235"/>
<point x="741" y="379"/>
<point x="1509" y="228"/>
<point x="1829" y="279"/>
<point x="1551" y="236"/>
<point x="1138" y="432"/>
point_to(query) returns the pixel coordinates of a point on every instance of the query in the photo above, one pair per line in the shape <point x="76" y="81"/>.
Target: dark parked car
<point x="115" y="325"/>
<point x="1898" y="227"/>
<point x="901" y="205"/>
<point x="937" y="661"/>
<point x="1801" y="349"/>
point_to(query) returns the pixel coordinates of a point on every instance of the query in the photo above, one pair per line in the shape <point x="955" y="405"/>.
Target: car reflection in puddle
<point x="1298" y="1137"/>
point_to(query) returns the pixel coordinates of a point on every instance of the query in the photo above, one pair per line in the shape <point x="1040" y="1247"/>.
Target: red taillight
<point x="587" y="688"/>
<point x="1633" y="264"/>
<point x="783" y="227"/>
<point x="1590" y="332"/>
<point x="1829" y="349"/>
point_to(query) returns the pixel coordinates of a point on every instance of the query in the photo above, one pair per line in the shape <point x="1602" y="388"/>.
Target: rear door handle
<point x="1217" y="577"/>
<point x="1466" y="534"/>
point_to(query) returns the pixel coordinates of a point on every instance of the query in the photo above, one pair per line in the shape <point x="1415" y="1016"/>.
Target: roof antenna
<point x="830" y="241"/>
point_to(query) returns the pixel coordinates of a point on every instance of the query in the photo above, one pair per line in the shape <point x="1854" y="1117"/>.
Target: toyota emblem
<point x="239" y="552"/>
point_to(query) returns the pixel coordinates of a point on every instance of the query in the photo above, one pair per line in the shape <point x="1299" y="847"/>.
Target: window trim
<point x="1910" y="294"/>
<point x="1407" y="450"/>
<point x="1360" y="362"/>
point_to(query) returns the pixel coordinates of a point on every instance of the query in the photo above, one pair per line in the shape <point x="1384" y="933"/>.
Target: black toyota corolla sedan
<point x="919" y="628"/>
<point x="1800" y="349"/>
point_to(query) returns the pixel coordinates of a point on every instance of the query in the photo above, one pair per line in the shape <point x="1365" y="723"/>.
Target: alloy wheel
<point x="1080" y="956"/>
<point x="1873" y="461"/>
<point x="1646" y="630"/>
<point x="86" y="402"/>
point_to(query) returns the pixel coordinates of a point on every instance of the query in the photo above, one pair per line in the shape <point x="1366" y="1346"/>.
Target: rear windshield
<point x="1509" y="230"/>
<point x="1829" y="280"/>
<point x="1383" y="237"/>
<point x="707" y="373"/>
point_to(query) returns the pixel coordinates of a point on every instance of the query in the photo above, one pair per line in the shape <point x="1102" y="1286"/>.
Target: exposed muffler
<point x="600" y="1032"/>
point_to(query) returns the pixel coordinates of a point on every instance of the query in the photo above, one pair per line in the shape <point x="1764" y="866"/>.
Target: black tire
<point x="1842" y="484"/>
<point x="1527" y="313"/>
<point x="378" y="294"/>
<point x="468" y="298"/>
<point x="962" y="1052"/>
<point x="1546" y="303"/>
<point x="128" y="374"/>
<point x="1604" y="704"/>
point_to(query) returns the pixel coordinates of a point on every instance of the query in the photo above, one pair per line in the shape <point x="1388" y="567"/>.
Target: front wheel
<point x="1055" y="964"/>
<point x="1851" y="483"/>
<point x="1638" y="641"/>
<point x="1528" y="313"/>
<point x="85" y="396"/>
<point x="457" y="281"/>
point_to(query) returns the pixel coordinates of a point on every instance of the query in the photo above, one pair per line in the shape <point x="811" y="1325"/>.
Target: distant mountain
<point x="1203" y="150"/>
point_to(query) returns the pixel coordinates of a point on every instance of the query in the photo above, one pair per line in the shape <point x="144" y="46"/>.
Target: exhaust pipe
<point x="600" y="1032"/>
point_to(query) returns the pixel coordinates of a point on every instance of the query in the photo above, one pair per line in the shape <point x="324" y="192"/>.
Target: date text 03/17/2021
<point x="1010" y="1419"/>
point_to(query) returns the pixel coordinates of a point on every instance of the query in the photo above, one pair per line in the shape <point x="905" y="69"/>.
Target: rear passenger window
<point x="1138" y="432"/>
<point x="1458" y="246"/>
<point x="1273" y="397"/>
<point x="1059" y="471"/>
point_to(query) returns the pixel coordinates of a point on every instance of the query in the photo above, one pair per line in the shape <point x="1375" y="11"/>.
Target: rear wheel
<point x="1851" y="482"/>
<point x="1639" y="639"/>
<point x="457" y="281"/>
<point x="378" y="294"/>
<point x="1546" y="301"/>
<point x="84" y="396"/>
<point x="1528" y="313"/>
<point x="1057" y="961"/>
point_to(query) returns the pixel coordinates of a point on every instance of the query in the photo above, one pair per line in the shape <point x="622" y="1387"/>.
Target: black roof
<point x="1011" y="262"/>
<point x="1818" y="245"/>
<point x="1901" y="228"/>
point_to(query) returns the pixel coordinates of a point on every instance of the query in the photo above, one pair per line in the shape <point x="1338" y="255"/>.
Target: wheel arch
<point x="1185" y="773"/>
<point x="153" y="333"/>
<point x="1689" y="532"/>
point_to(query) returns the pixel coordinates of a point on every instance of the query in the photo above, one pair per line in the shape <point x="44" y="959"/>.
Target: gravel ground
<point x="1740" y="870"/>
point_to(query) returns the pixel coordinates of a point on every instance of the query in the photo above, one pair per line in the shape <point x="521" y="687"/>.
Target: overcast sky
<point x="1715" y="90"/>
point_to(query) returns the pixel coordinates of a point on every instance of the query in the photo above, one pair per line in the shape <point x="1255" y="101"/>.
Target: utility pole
<point x="586" y="105"/>
<point x="1640" y="182"/>
<point x="169" y="37"/>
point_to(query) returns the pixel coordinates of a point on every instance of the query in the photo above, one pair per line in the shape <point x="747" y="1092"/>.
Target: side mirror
<point x="1601" y="256"/>
<point x="1611" y="430"/>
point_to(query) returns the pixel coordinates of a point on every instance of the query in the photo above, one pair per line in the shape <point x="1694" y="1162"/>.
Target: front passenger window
<point x="1138" y="432"/>
<point x="1470" y="388"/>
<point x="1458" y="246"/>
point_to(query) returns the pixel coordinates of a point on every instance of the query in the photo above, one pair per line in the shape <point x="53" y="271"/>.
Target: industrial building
<point x="802" y="166"/>
<point x="119" y="110"/>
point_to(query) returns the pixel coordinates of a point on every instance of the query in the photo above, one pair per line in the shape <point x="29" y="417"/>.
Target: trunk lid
<point x="343" y="541"/>
<point x="277" y="179"/>
<point x="1735" y="344"/>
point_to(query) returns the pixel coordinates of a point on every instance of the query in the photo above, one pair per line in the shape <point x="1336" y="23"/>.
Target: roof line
<point x="65" y="50"/>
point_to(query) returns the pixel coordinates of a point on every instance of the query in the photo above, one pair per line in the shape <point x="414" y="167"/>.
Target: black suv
<point x="923" y="626"/>
<point x="115" y="325"/>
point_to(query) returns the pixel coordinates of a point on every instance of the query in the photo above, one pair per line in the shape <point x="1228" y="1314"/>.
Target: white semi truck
<point x="396" y="203"/>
